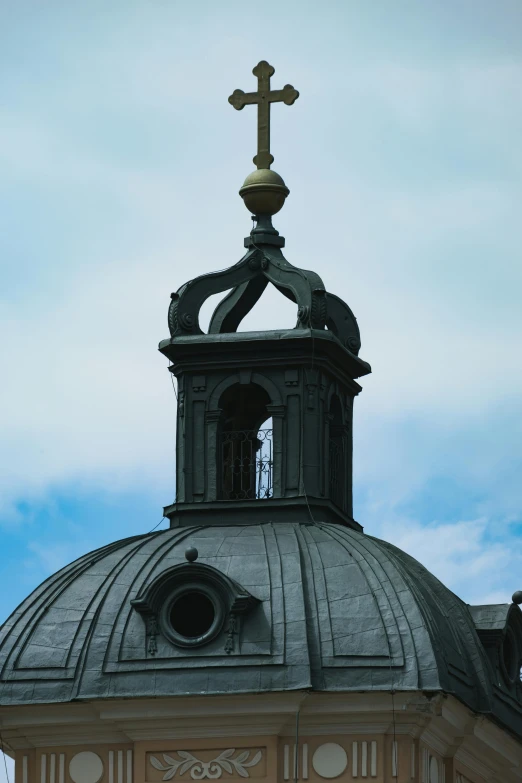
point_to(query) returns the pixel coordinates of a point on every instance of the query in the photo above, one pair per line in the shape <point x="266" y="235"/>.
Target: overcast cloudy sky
<point x="120" y="161"/>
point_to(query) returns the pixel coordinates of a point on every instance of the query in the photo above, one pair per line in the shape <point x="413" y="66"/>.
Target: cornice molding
<point x="469" y="760"/>
<point x="444" y="725"/>
<point x="488" y="733"/>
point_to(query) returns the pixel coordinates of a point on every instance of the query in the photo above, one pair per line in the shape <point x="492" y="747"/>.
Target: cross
<point x="263" y="97"/>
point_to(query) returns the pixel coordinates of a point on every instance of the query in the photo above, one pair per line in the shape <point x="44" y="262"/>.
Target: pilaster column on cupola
<point x="212" y="419"/>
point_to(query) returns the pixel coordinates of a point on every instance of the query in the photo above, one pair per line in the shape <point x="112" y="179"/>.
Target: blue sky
<point x="120" y="161"/>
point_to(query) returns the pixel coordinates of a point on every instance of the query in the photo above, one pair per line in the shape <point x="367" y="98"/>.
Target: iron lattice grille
<point x="336" y="460"/>
<point x="247" y="464"/>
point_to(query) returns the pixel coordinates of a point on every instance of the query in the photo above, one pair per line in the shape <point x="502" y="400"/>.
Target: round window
<point x="193" y="615"/>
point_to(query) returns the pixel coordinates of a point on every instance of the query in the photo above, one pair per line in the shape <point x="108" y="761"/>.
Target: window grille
<point x="247" y="464"/>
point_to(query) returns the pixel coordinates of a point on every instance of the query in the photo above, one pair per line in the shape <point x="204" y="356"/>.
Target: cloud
<point x="465" y="555"/>
<point x="93" y="397"/>
<point x="50" y="557"/>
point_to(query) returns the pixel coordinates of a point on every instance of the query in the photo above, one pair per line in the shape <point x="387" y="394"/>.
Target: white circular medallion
<point x="86" y="767"/>
<point x="330" y="760"/>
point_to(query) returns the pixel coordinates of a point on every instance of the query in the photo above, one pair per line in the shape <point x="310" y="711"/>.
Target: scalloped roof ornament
<point x="262" y="264"/>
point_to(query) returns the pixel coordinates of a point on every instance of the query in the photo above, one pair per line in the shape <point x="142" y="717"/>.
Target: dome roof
<point x="319" y="606"/>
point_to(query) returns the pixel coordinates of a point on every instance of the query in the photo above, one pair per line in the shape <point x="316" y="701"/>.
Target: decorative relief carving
<point x="255" y="261"/>
<point x="295" y="762"/>
<point x="311" y="387"/>
<point x="291" y="378"/>
<point x="319" y="309"/>
<point x="120" y="766"/>
<point x="330" y="760"/>
<point x="186" y="321"/>
<point x="152" y="634"/>
<point x="303" y="316"/>
<point x="199" y="383"/>
<point x="155" y="604"/>
<point x="212" y="769"/>
<point x="231" y="631"/>
<point x="86" y="767"/>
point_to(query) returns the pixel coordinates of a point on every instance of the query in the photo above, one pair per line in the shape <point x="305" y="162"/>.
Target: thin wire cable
<point x="394" y="751"/>
<point x="395" y="760"/>
<point x="308" y="506"/>
<point x="311" y="370"/>
<point x="156" y="526"/>
<point x="2" y="745"/>
<point x="178" y="417"/>
<point x="173" y="384"/>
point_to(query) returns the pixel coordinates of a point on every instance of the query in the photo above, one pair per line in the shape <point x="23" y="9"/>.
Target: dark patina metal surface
<point x="336" y="610"/>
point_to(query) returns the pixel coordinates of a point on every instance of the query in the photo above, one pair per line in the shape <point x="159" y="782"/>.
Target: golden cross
<point x="263" y="97"/>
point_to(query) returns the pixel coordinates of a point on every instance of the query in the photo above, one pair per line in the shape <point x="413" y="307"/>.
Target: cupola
<point x="264" y="419"/>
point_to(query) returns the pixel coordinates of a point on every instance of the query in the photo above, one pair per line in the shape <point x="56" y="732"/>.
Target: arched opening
<point x="246" y="434"/>
<point x="273" y="301"/>
<point x="336" y="453"/>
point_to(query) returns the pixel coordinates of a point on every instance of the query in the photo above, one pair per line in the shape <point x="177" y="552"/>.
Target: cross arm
<point x="240" y="99"/>
<point x="287" y="95"/>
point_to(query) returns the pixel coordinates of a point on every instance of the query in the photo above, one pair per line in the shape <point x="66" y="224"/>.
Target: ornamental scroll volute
<point x="206" y="764"/>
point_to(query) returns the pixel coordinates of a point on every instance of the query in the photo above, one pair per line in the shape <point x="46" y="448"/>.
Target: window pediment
<point x="191" y="604"/>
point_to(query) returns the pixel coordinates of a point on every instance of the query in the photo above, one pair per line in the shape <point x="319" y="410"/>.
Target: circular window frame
<point x="511" y="675"/>
<point x="192" y="641"/>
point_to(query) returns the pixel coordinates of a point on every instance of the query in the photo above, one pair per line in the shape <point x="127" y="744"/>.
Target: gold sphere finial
<point x="264" y="192"/>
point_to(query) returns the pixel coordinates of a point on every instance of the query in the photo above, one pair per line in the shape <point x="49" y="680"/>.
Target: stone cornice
<point x="442" y="724"/>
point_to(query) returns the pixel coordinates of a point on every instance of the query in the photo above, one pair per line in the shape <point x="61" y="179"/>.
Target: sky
<point x="120" y="162"/>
